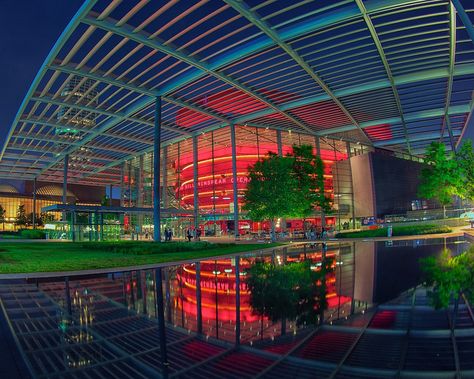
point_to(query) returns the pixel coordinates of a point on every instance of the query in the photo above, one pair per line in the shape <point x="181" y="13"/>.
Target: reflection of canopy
<point x="8" y="188"/>
<point x="52" y="190"/>
<point x="396" y="74"/>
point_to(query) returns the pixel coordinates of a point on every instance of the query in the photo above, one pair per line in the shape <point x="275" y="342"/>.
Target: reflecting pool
<point x="106" y="323"/>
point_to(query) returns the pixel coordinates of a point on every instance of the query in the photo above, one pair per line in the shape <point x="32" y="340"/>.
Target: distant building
<point x="14" y="193"/>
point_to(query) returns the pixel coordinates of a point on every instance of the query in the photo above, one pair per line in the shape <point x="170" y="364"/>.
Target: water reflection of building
<point x="218" y="305"/>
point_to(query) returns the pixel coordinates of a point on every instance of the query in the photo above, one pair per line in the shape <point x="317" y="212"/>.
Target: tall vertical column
<point x="280" y="153"/>
<point x="348" y="149"/>
<point x="195" y="182"/>
<point x="279" y="144"/>
<point x="237" y="300"/>
<point x="318" y="153"/>
<point x="258" y="142"/>
<point x="336" y="176"/>
<point x="65" y="169"/>
<point x="140" y="193"/>
<point x="122" y="174"/>
<point x="234" y="180"/>
<point x="213" y="185"/>
<point x="164" y="192"/>
<point x="65" y="173"/>
<point x="130" y="183"/>
<point x="318" y="146"/>
<point x="34" y="203"/>
<point x="156" y="173"/>
<point x="110" y="195"/>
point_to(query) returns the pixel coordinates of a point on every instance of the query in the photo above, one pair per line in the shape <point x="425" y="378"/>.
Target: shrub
<point x="397" y="231"/>
<point x="34" y="234"/>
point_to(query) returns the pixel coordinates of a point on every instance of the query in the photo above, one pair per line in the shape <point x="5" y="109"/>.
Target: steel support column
<point x="140" y="192"/>
<point x="195" y="182"/>
<point x="122" y="174"/>
<point x="160" y="311"/>
<point x="65" y="173"/>
<point x="156" y="174"/>
<point x="34" y="203"/>
<point x="279" y="145"/>
<point x="318" y="153"/>
<point x="164" y="192"/>
<point x="348" y="148"/>
<point x="234" y="180"/>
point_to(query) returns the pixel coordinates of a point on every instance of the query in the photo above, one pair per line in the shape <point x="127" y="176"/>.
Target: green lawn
<point x="410" y="230"/>
<point x="66" y="256"/>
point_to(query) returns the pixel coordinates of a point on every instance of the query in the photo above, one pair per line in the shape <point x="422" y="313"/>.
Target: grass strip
<point x="67" y="256"/>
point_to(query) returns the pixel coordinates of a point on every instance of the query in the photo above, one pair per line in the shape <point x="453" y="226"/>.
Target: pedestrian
<point x="189" y="235"/>
<point x="198" y="234"/>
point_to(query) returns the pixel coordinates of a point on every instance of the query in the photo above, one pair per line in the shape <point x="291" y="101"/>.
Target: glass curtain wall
<point x="215" y="187"/>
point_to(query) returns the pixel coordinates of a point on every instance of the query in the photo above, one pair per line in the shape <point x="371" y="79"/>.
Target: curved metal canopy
<point x="391" y="73"/>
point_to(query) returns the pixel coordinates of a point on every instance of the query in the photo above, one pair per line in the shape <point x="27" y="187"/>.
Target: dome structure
<point x="53" y="190"/>
<point x="8" y="188"/>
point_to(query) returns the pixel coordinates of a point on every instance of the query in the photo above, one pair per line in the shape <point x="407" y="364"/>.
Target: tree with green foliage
<point x="290" y="186"/>
<point x="450" y="277"/>
<point x="2" y="216"/>
<point x="441" y="178"/>
<point x="270" y="193"/>
<point x="38" y="220"/>
<point x="465" y="160"/>
<point x="308" y="169"/>
<point x="295" y="291"/>
<point x="21" y="218"/>
<point x="46" y="217"/>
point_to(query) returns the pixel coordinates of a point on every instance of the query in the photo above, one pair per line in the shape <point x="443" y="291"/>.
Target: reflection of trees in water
<point x="295" y="291"/>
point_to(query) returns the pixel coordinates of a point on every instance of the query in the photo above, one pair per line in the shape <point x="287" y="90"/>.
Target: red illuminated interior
<point x="221" y="196"/>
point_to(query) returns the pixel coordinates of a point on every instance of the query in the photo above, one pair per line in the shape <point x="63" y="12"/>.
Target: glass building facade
<point x="197" y="175"/>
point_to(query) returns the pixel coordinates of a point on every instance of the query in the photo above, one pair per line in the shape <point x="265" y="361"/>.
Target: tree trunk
<point x="444" y="211"/>
<point x="272" y="232"/>
<point x="283" y="326"/>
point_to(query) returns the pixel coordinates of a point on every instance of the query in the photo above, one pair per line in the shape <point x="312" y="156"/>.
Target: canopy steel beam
<point x="86" y="108"/>
<point x="240" y="7"/>
<point x="464" y="18"/>
<point x="449" y="88"/>
<point x="408" y="117"/>
<point x="310" y="25"/>
<point x="468" y="120"/>
<point x="145" y="91"/>
<point x="415" y="138"/>
<point x="438" y="112"/>
<point x="372" y="86"/>
<point x="383" y="57"/>
<point x="84" y="130"/>
<point x="91" y="130"/>
<point x="153" y="44"/>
